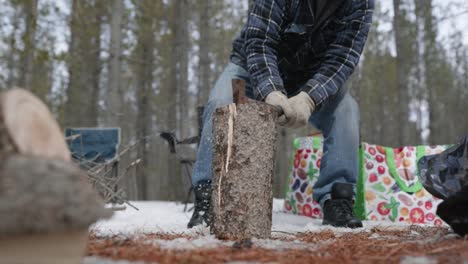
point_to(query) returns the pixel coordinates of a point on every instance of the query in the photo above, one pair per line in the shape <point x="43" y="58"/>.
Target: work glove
<point x="304" y="107"/>
<point x="280" y="100"/>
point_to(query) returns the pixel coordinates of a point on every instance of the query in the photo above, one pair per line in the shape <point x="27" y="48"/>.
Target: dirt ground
<point x="413" y="244"/>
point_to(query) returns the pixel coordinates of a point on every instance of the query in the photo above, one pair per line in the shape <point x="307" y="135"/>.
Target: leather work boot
<point x="201" y="213"/>
<point x="338" y="211"/>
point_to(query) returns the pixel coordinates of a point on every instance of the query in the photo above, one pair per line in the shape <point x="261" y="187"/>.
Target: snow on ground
<point x="168" y="217"/>
<point x="152" y="217"/>
<point x="97" y="260"/>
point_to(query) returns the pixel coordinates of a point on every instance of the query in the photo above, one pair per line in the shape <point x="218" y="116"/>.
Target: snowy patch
<point x="97" y="260"/>
<point x="152" y="217"/>
<point x="210" y="242"/>
<point x="169" y="218"/>
<point x="417" y="260"/>
<point x="283" y="245"/>
<point x="205" y="242"/>
<point x="278" y="205"/>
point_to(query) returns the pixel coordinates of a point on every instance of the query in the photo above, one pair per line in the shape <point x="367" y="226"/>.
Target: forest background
<point x="146" y="65"/>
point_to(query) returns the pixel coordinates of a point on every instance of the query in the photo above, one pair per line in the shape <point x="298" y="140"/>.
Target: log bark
<point x="41" y="191"/>
<point x="39" y="195"/>
<point x="64" y="247"/>
<point x="243" y="168"/>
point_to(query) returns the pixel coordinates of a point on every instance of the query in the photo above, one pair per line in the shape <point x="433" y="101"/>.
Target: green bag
<point x="388" y="187"/>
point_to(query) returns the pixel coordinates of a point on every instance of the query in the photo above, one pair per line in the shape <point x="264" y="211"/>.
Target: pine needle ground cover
<point x="378" y="245"/>
<point x="157" y="234"/>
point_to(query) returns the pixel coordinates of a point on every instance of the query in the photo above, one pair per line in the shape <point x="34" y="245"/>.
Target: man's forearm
<point x="262" y="38"/>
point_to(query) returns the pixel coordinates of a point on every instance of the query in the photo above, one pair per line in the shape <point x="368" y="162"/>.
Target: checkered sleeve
<point x="261" y="40"/>
<point x="343" y="54"/>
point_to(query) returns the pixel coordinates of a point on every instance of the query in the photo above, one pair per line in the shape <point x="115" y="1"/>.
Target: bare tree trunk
<point x="402" y="92"/>
<point x="404" y="52"/>
<point x="127" y="125"/>
<point x="145" y="57"/>
<point x="183" y="48"/>
<point x="243" y="169"/>
<point x="11" y="62"/>
<point x="113" y="95"/>
<point x="95" y="62"/>
<point x="84" y="68"/>
<point x="178" y="71"/>
<point x="250" y="3"/>
<point x="204" y="53"/>
<point x="431" y="75"/>
<point x="27" y="64"/>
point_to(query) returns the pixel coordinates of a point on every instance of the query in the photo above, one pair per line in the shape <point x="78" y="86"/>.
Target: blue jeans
<point x="338" y="119"/>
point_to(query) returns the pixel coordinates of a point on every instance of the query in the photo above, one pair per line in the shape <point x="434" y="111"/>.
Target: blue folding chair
<point x="92" y="148"/>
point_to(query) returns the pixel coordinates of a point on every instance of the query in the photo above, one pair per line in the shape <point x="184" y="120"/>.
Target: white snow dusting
<point x="203" y="242"/>
<point x="97" y="260"/>
<point x="168" y="217"/>
<point x="152" y="217"/>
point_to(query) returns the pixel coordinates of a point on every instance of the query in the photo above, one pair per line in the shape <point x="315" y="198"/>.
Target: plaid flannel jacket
<point x="283" y="50"/>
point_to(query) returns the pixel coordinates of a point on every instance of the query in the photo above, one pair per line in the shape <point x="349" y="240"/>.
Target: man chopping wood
<point x="297" y="55"/>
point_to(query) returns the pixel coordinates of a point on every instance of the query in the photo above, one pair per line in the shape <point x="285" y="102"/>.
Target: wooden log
<point x="39" y="195"/>
<point x="46" y="202"/>
<point x="50" y="248"/>
<point x="28" y="127"/>
<point x="245" y="134"/>
<point x="47" y="207"/>
<point x="40" y="189"/>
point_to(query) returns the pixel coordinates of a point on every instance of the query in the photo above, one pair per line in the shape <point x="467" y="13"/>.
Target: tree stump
<point x="245" y="134"/>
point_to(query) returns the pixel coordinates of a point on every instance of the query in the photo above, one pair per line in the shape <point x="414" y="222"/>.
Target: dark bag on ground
<point x="445" y="176"/>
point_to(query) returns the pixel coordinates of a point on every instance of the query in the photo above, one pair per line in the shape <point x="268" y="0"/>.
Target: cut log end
<point x="28" y="127"/>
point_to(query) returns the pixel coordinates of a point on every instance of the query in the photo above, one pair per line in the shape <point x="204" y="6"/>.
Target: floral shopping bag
<point x="388" y="186"/>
